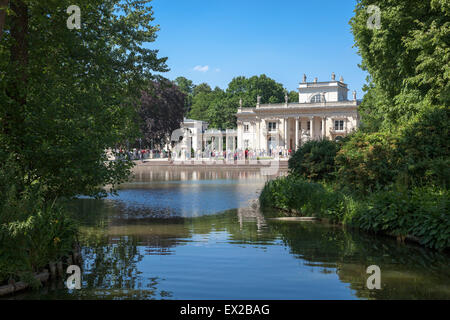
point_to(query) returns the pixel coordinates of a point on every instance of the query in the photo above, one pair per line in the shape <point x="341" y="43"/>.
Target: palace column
<point x="263" y="142"/>
<point x="311" y="119"/>
<point x="285" y="133"/>
<point x="324" y="124"/>
<point x="296" y="133"/>
<point x="240" y="135"/>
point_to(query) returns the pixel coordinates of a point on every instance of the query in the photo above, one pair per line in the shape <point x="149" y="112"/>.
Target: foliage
<point x="161" y="111"/>
<point x="33" y="232"/>
<point x="305" y="198"/>
<point x="314" y="160"/>
<point x="248" y="89"/>
<point x="222" y="113"/>
<point x="68" y="95"/>
<point x="408" y="58"/>
<point x="368" y="161"/>
<point x="421" y="212"/>
<point x="187" y="87"/>
<point x="218" y="107"/>
<point x="201" y="102"/>
<point x="293" y="96"/>
<point x="29" y="245"/>
<point x="424" y="149"/>
<point x="414" y="155"/>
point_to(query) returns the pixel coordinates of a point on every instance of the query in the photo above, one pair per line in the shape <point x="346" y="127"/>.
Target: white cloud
<point x="201" y="68"/>
<point x="217" y="70"/>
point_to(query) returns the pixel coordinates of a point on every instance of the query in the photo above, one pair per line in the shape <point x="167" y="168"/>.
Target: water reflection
<point x="175" y="173"/>
<point x="140" y="246"/>
<point x="187" y="193"/>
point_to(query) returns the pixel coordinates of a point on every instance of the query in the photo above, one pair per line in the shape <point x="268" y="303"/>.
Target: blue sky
<point x="214" y="41"/>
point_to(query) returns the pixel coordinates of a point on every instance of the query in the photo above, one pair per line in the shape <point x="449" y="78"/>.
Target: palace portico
<point x="322" y="111"/>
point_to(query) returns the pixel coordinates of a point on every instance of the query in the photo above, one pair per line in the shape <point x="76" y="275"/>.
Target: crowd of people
<point x="238" y="154"/>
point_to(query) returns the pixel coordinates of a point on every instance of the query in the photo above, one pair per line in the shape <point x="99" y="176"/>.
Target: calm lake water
<point x="191" y="235"/>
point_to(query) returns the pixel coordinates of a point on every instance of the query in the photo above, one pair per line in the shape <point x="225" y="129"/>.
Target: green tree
<point x="248" y="89"/>
<point x="408" y="58"/>
<point x="187" y="87"/>
<point x="201" y="88"/>
<point x="222" y="113"/>
<point x="293" y="96"/>
<point x="68" y="95"/>
<point x="200" y="105"/>
<point x="219" y="107"/>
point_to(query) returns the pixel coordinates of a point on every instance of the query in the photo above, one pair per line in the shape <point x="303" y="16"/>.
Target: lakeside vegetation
<point x="392" y="175"/>
<point x="67" y="95"/>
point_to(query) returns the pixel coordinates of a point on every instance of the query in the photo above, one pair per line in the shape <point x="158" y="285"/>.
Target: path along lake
<point x="177" y="233"/>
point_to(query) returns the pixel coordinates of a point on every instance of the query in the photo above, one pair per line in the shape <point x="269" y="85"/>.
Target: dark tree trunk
<point x="19" y="50"/>
<point x="17" y="80"/>
<point x="13" y="124"/>
<point x="3" y="4"/>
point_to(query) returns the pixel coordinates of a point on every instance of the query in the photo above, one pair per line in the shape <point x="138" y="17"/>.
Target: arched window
<point x="316" y="98"/>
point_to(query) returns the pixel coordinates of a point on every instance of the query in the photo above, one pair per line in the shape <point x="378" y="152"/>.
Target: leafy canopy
<point x="68" y="95"/>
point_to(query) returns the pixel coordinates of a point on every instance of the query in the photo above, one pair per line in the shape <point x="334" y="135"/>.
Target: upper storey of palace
<point x="329" y="91"/>
<point x="324" y="94"/>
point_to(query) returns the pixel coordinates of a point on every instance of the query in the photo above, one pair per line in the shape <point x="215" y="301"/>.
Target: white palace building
<point x="323" y="111"/>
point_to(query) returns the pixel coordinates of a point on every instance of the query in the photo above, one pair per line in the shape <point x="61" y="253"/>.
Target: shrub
<point x="305" y="198"/>
<point x="368" y="162"/>
<point x="421" y="212"/>
<point x="30" y="244"/>
<point x="314" y="160"/>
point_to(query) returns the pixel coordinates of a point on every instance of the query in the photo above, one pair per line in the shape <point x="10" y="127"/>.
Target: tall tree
<point x="187" y="87"/>
<point x="201" y="88"/>
<point x="161" y="111"/>
<point x="248" y="89"/>
<point x="68" y="95"/>
<point x="202" y="101"/>
<point x="293" y="96"/>
<point x="408" y="57"/>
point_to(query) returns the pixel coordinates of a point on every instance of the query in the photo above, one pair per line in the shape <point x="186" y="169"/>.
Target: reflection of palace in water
<point x="251" y="214"/>
<point x="193" y="174"/>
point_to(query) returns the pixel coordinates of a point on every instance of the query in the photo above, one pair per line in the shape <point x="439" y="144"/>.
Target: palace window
<point x="316" y="98"/>
<point x="246" y="127"/>
<point x="339" y="125"/>
<point x="272" y="126"/>
<point x="308" y="127"/>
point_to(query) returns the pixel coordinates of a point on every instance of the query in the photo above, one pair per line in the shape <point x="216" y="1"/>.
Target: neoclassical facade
<point x="323" y="110"/>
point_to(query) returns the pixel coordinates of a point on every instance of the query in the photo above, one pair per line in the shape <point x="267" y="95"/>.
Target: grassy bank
<point x="418" y="213"/>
